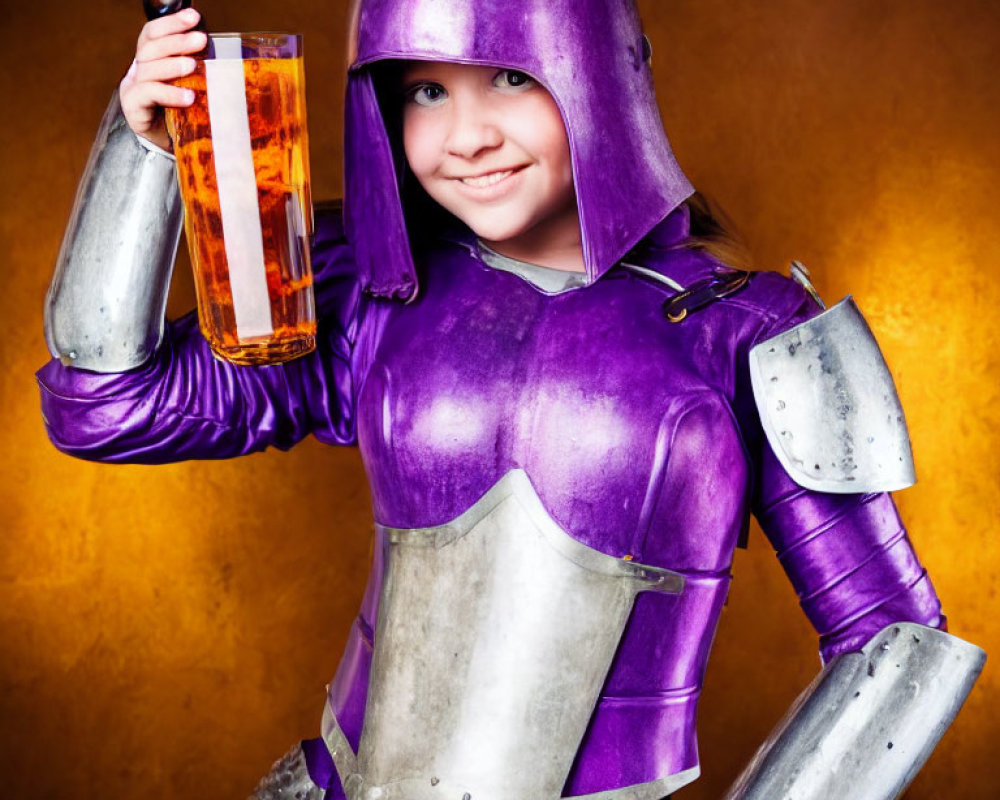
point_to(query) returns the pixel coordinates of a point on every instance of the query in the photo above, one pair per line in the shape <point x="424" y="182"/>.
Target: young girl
<point x="566" y="410"/>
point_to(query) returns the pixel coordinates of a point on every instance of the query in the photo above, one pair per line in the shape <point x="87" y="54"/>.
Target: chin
<point x="493" y="230"/>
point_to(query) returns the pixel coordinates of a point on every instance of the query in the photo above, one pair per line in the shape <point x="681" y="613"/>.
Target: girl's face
<point x="489" y="145"/>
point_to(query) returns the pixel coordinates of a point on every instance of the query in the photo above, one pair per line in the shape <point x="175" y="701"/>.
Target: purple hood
<point x="592" y="57"/>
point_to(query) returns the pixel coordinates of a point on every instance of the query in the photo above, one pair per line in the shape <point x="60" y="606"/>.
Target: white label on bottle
<point x="244" y="242"/>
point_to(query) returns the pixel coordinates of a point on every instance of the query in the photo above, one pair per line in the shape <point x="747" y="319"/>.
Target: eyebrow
<point x="410" y="71"/>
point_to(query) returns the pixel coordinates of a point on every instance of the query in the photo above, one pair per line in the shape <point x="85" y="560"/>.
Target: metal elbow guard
<point x="105" y="306"/>
<point x="829" y="407"/>
<point x="869" y="720"/>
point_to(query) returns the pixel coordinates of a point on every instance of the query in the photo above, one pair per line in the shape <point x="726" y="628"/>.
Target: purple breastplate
<point x="630" y="445"/>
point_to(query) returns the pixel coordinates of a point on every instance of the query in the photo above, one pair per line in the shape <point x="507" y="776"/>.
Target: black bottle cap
<point x="160" y="8"/>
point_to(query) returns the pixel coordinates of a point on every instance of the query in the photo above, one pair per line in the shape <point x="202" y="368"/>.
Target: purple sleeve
<point x="848" y="556"/>
<point x="185" y="404"/>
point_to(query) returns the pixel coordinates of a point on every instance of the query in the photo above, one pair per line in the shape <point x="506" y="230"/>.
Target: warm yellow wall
<point x="166" y="632"/>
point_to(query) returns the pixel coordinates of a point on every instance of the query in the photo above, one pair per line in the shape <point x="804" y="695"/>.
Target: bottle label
<point x="237" y="182"/>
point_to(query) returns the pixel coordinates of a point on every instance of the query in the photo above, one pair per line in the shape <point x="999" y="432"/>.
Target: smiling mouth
<point x="489" y="179"/>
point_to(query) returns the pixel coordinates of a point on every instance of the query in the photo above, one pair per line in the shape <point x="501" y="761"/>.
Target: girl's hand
<point x="161" y="55"/>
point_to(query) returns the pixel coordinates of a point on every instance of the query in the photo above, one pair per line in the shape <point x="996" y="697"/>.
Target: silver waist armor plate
<point x="495" y="634"/>
<point x="829" y="407"/>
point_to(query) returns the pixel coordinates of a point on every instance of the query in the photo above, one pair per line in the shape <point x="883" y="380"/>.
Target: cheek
<point x="418" y="144"/>
<point x="546" y="132"/>
<point x="547" y="137"/>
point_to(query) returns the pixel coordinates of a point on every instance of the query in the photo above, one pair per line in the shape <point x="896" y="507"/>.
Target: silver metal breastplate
<point x="494" y="637"/>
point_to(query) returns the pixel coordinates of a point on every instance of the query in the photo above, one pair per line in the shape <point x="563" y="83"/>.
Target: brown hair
<point x="713" y="232"/>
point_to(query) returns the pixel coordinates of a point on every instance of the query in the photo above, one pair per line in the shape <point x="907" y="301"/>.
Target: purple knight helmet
<point x="592" y="57"/>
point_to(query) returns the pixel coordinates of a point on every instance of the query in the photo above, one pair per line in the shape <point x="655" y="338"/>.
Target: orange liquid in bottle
<point x="279" y="145"/>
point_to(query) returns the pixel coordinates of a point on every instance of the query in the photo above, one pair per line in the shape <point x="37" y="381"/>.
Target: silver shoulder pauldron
<point x="829" y="407"/>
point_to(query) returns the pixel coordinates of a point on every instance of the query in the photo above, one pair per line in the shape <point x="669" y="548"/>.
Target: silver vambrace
<point x="869" y="720"/>
<point x="105" y="306"/>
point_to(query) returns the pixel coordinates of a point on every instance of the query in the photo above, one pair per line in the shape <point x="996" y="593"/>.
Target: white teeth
<point x="483" y="181"/>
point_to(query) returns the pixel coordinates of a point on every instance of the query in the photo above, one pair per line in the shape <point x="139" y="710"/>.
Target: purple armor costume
<point x="639" y="436"/>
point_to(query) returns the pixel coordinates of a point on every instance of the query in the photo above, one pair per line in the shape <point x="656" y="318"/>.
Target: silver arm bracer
<point x="105" y="306"/>
<point x="288" y="779"/>
<point x="868" y="722"/>
<point x="829" y="407"/>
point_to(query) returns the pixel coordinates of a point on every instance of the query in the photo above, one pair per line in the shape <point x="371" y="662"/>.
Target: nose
<point x="473" y="129"/>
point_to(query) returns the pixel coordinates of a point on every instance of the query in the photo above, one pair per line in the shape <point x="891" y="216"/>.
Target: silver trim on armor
<point x="344" y="760"/>
<point x="555" y="281"/>
<point x="800" y="274"/>
<point x="516" y="483"/>
<point x="868" y="722"/>
<point x="654" y="790"/>
<point x="829" y="407"/>
<point x="494" y="637"/>
<point x="547" y="279"/>
<point x="105" y="306"/>
<point x="653" y="275"/>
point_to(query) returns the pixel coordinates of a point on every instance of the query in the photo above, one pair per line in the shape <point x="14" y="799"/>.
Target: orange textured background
<point x="166" y="632"/>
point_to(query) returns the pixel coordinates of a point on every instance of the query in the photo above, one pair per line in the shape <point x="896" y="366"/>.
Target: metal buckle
<point x="703" y="293"/>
